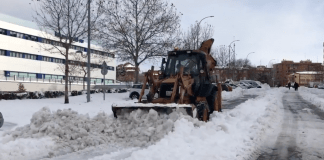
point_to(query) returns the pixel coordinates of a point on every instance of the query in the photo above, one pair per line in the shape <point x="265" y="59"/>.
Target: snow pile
<point x="72" y="131"/>
<point x="25" y="148"/>
<point x="313" y="95"/>
<point x="236" y="93"/>
<point x="234" y="134"/>
<point x="239" y="92"/>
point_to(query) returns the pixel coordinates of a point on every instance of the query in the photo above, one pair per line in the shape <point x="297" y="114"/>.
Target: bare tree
<point x="189" y="37"/>
<point x="68" y="20"/>
<point x="239" y="63"/>
<point x="138" y="30"/>
<point x="221" y="55"/>
<point x="81" y="65"/>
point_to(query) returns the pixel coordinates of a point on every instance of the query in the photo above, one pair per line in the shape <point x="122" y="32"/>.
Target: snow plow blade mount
<point x="159" y="108"/>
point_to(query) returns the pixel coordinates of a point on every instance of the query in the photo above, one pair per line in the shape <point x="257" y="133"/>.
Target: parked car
<point x="320" y="86"/>
<point x="136" y="90"/>
<point x="224" y="87"/>
<point x="244" y="85"/>
<point x="122" y="90"/>
<point x="232" y="85"/>
<point x="112" y="90"/>
<point x="251" y="83"/>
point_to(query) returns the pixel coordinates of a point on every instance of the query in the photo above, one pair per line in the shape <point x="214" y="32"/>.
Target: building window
<point x="20" y="35"/>
<point x="33" y="38"/>
<point x="16" y="54"/>
<point x="3" y="31"/>
<point x="48" y="76"/>
<point x="12" y="74"/>
<point x="22" y="74"/>
<point x="27" y="37"/>
<point x="13" y="34"/>
<point x="48" y="59"/>
<point x="29" y="56"/>
<point x="31" y="75"/>
<point x="2" y="52"/>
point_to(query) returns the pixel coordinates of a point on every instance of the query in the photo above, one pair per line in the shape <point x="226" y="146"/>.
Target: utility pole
<point x="89" y="50"/>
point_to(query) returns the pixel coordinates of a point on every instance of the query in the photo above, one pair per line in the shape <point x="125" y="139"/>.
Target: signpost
<point x="104" y="71"/>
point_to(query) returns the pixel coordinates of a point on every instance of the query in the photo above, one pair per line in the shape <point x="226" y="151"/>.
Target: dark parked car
<point x="122" y="90"/>
<point x="224" y="87"/>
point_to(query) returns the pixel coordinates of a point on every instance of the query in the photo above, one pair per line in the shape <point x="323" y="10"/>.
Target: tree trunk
<point x="66" y="100"/>
<point x="136" y="73"/>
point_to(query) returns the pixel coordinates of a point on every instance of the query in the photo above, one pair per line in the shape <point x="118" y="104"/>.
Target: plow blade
<point x="160" y="108"/>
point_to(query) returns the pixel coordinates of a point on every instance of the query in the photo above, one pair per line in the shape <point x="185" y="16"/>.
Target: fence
<point x="38" y="80"/>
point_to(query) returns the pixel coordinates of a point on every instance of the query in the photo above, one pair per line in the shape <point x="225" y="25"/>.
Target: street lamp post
<point x="270" y="61"/>
<point x="246" y="58"/>
<point x="229" y="52"/>
<point x="88" y="53"/>
<point x="272" y="73"/>
<point x="198" y="28"/>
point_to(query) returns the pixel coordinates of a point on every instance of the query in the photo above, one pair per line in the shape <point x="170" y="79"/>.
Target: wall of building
<point x="285" y="68"/>
<point x="16" y="64"/>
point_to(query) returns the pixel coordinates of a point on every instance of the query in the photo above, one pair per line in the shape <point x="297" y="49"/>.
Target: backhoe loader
<point x="185" y="81"/>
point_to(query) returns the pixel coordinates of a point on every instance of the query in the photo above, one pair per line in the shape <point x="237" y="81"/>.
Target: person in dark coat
<point x="296" y="85"/>
<point x="289" y="85"/>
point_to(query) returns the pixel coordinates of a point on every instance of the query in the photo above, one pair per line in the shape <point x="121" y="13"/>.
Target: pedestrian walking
<point x="296" y="85"/>
<point x="289" y="85"/>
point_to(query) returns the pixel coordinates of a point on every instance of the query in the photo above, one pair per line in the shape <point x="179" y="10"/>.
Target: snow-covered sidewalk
<point x="56" y="129"/>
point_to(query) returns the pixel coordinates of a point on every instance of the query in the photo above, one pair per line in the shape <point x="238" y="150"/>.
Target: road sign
<point x="104" y="70"/>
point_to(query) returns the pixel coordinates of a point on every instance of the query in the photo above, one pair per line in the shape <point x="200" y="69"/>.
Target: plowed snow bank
<point x="72" y="131"/>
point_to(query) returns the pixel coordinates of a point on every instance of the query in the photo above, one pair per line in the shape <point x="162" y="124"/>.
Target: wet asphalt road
<point x="302" y="132"/>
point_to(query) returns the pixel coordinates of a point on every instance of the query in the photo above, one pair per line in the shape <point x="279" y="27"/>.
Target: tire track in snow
<point x="296" y="139"/>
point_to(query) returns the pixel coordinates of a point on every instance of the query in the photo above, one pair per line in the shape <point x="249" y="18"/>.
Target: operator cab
<point x="192" y="62"/>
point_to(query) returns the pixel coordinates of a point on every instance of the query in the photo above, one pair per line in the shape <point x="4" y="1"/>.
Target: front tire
<point x="211" y="100"/>
<point x="202" y="111"/>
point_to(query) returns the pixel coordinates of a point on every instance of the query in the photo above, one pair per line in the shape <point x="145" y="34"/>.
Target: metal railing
<point x="43" y="80"/>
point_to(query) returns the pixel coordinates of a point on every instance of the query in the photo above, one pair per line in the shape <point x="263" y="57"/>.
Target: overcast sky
<point x="273" y="29"/>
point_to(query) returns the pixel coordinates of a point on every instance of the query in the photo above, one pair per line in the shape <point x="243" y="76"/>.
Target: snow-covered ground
<point x="47" y="128"/>
<point x="313" y="95"/>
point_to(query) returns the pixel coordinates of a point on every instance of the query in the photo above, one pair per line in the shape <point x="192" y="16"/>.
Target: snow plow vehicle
<point x="184" y="82"/>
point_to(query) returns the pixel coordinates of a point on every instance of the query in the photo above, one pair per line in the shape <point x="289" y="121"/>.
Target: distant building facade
<point x="303" y="78"/>
<point x="125" y="72"/>
<point x="284" y="70"/>
<point x="23" y="57"/>
<point x="259" y="73"/>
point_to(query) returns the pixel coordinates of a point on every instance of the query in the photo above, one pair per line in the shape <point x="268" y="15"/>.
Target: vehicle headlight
<point x="201" y="71"/>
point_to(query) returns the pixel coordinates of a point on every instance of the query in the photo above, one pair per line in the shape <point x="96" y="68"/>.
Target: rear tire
<point x="134" y="95"/>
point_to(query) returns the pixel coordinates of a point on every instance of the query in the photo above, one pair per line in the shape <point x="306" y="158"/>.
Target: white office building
<point x="23" y="57"/>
